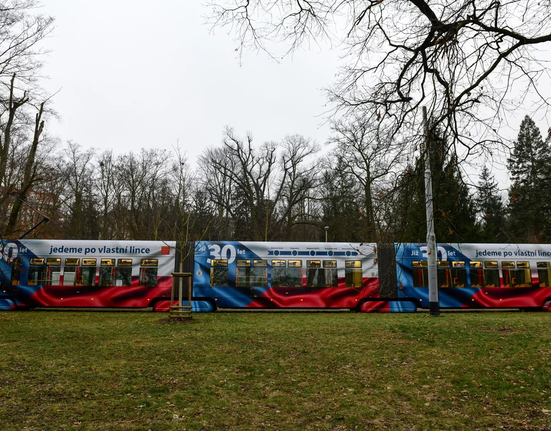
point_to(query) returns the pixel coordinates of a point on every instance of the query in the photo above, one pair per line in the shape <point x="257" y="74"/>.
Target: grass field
<point x="286" y="371"/>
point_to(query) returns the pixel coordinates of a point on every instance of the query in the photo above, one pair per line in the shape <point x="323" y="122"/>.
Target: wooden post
<point x="180" y="310"/>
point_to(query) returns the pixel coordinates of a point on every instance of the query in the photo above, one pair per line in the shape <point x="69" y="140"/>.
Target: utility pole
<point x="431" y="236"/>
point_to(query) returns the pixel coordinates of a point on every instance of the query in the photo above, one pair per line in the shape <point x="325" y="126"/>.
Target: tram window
<point x="444" y="274"/>
<point x="477" y="274"/>
<point x="219" y="272"/>
<point x="286" y="276"/>
<point x="508" y="269"/>
<point x="88" y="272"/>
<point x="519" y="277"/>
<point x="491" y="274"/>
<point x="16" y="268"/>
<point x="420" y="273"/>
<point x="259" y="273"/>
<point x="123" y="275"/>
<point x="330" y="270"/>
<point x="148" y="272"/>
<point x="53" y="273"/>
<point x="353" y="273"/>
<point x="544" y="273"/>
<point x="107" y="272"/>
<point x="88" y="276"/>
<point x="71" y="273"/>
<point x="148" y="277"/>
<point x="321" y="277"/>
<point x="243" y="273"/>
<point x="459" y="274"/>
<point x="37" y="272"/>
<point x="313" y="276"/>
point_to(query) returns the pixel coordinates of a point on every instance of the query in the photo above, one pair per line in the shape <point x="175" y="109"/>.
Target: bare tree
<point x="107" y="188"/>
<point x="469" y="61"/>
<point x="80" y="200"/>
<point x="215" y="167"/>
<point x="368" y="157"/>
<point x="21" y="30"/>
<point x="145" y="195"/>
<point x="248" y="176"/>
<point x="30" y="172"/>
<point x="182" y="181"/>
<point x="297" y="182"/>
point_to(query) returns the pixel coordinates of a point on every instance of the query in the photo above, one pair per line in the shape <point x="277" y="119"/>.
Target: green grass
<point x="285" y="371"/>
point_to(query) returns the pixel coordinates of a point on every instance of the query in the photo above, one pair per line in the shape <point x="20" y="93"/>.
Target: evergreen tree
<point x="490" y="208"/>
<point x="529" y="165"/>
<point x="409" y="214"/>
<point x="454" y="209"/>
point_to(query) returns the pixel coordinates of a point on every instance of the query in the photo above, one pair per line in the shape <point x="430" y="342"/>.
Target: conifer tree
<point x="454" y="209"/>
<point x="529" y="166"/>
<point x="490" y="208"/>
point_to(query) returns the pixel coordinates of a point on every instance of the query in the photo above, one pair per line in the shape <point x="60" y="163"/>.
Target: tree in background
<point x="454" y="209"/>
<point x="466" y="61"/>
<point x="407" y="219"/>
<point x="297" y="181"/>
<point x="215" y="167"/>
<point x="490" y="208"/>
<point x="342" y="211"/>
<point x="529" y="167"/>
<point x="368" y="157"/>
<point x="80" y="195"/>
<point x="22" y="108"/>
<point x="157" y="195"/>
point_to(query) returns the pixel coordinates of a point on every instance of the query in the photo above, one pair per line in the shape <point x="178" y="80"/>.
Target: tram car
<point x="478" y="275"/>
<point x="112" y="274"/>
<point x="255" y="275"/>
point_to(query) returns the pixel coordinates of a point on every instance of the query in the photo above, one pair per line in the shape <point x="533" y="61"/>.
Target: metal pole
<point x="431" y="236"/>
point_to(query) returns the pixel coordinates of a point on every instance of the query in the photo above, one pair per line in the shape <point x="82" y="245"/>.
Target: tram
<point x="274" y="275"/>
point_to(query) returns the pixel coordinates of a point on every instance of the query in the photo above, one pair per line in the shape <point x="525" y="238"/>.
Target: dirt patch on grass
<point x="502" y="330"/>
<point x="177" y="320"/>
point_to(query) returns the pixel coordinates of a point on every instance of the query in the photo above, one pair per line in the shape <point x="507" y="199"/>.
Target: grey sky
<point x="136" y="74"/>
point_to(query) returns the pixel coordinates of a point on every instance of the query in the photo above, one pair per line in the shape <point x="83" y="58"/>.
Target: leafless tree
<point x="248" y="174"/>
<point x="370" y="158"/>
<point x="298" y="179"/>
<point x="30" y="174"/>
<point x="145" y="194"/>
<point x="215" y="167"/>
<point x="107" y="188"/>
<point x="470" y="62"/>
<point x="182" y="181"/>
<point x="21" y="30"/>
<point x="79" y="196"/>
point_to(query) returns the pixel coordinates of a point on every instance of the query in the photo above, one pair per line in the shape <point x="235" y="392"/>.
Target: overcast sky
<point x="135" y="74"/>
